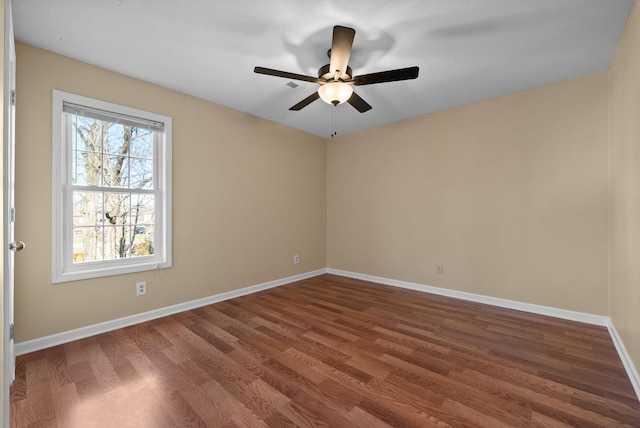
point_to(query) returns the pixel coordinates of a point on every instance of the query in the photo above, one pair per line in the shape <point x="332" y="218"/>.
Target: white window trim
<point x="63" y="269"/>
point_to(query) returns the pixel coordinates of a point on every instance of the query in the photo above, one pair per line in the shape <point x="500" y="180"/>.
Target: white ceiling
<point x="467" y="50"/>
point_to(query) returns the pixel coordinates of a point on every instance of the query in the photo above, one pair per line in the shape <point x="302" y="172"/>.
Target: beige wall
<point x="247" y="195"/>
<point x="624" y="134"/>
<point x="510" y="194"/>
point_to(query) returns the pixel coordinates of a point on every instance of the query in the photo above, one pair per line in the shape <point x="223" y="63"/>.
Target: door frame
<point x="8" y="147"/>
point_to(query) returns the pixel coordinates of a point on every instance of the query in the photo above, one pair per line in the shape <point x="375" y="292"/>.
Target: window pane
<point x="116" y="208"/>
<point x="142" y="209"/>
<point x="87" y="244"/>
<point x="117" y="242"/>
<point x="116" y="171"/>
<point x="87" y="168"/>
<point x="87" y="148"/>
<point x="142" y="240"/>
<point x="79" y="172"/>
<point x="141" y="173"/>
<point x="116" y="139"/>
<point x="142" y="143"/>
<point x="87" y="134"/>
<point x="87" y="209"/>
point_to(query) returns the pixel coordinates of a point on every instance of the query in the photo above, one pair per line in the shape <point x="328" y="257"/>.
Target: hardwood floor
<point x="331" y="352"/>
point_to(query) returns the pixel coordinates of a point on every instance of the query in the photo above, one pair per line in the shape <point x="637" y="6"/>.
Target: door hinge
<point x="13" y="97"/>
<point x="11" y="332"/>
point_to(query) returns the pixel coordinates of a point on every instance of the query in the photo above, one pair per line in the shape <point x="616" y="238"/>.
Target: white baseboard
<point x="634" y="377"/>
<point x="586" y="318"/>
<point x="92" y="330"/>
<point x="494" y="301"/>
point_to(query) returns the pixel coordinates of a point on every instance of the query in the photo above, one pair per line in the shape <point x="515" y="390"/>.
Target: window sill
<point x="100" y="272"/>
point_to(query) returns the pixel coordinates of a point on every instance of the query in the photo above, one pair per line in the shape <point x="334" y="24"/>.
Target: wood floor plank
<point x="331" y="351"/>
<point x="361" y="419"/>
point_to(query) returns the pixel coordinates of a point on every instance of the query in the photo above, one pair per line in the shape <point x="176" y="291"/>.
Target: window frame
<point x="63" y="268"/>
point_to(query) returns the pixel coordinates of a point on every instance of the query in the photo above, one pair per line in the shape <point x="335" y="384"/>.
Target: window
<point x="111" y="189"/>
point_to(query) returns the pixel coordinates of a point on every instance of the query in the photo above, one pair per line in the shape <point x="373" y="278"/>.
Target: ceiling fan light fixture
<point x="335" y="92"/>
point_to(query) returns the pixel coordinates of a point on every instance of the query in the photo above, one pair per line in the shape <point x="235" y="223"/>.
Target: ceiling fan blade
<point x="285" y="74"/>
<point x="341" y="49"/>
<point x="358" y="103"/>
<point x="386" y="76"/>
<point x="302" y="104"/>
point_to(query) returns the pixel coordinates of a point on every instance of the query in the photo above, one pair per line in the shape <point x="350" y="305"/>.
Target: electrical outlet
<point x="296" y="259"/>
<point x="141" y="288"/>
<point x="440" y="269"/>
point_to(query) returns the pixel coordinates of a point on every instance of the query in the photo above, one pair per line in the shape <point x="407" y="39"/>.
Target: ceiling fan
<point x="336" y="79"/>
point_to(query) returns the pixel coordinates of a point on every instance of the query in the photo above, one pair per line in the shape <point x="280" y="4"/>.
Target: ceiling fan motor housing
<point x="325" y="73"/>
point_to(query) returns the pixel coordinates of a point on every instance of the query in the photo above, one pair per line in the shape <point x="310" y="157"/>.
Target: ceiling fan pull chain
<point x="333" y="122"/>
